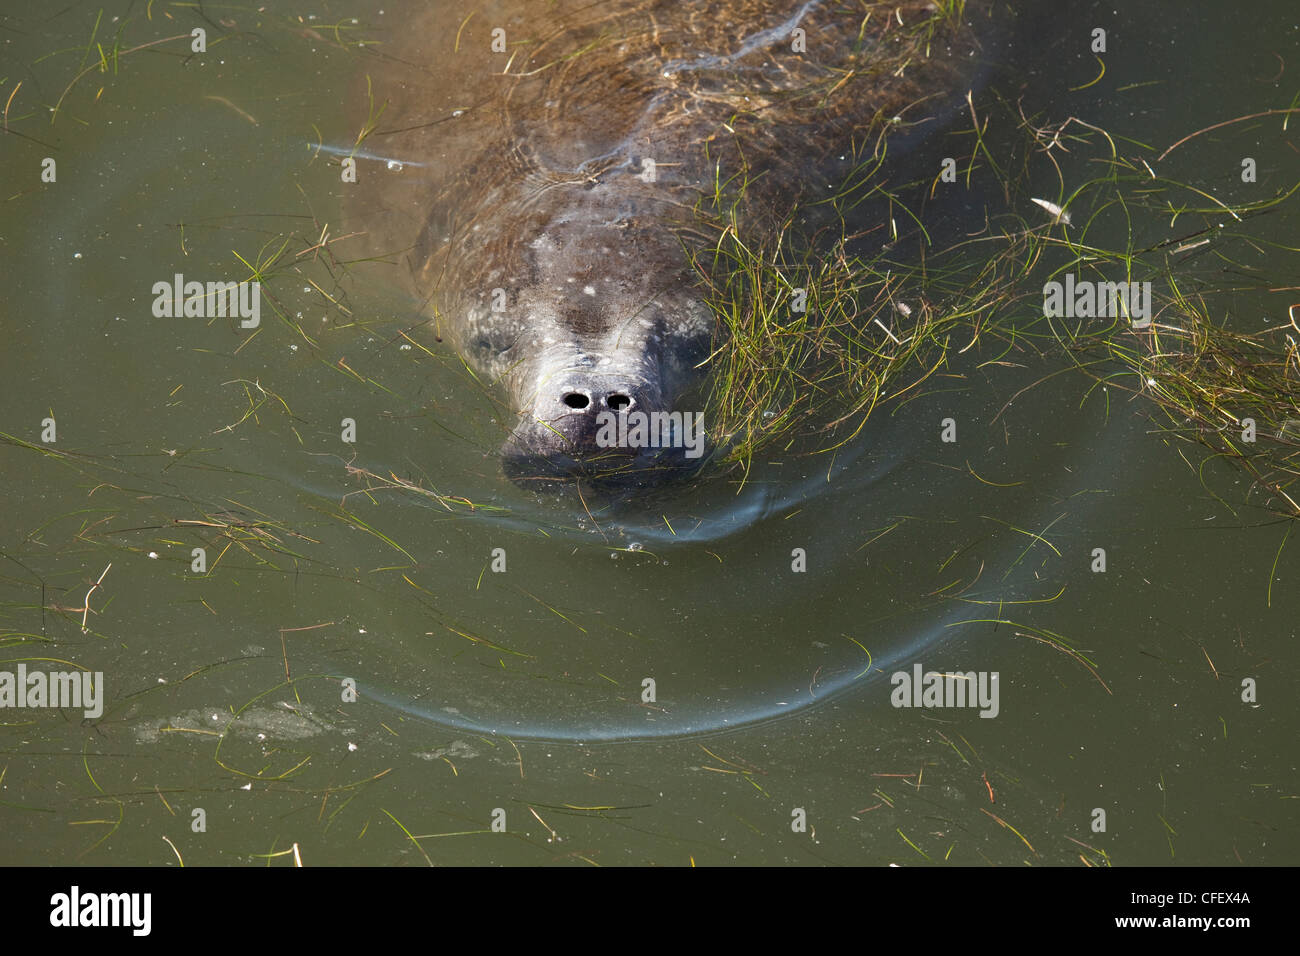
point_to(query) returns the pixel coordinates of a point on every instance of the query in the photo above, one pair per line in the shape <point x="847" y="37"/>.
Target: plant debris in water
<point x="815" y="340"/>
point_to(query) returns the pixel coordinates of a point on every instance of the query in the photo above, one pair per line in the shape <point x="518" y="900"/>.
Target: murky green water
<point x="521" y="695"/>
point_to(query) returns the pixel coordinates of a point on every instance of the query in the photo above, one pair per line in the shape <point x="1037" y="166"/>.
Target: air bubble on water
<point x="153" y="555"/>
<point x="768" y="413"/>
<point x="306" y="288"/>
<point x="403" y="348"/>
<point x="76" y="255"/>
<point x="457" y="113"/>
<point x="293" y="347"/>
<point x="613" y="556"/>
<point x="395" y="166"/>
<point x="636" y="546"/>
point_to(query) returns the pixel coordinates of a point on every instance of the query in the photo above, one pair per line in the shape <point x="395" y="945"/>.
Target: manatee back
<point x="654" y="102"/>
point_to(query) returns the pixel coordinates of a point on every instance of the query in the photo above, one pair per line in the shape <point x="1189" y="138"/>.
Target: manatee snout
<point x="604" y="424"/>
<point x="600" y="350"/>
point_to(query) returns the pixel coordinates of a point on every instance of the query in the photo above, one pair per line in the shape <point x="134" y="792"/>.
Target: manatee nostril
<point x="618" y="402"/>
<point x="576" y="400"/>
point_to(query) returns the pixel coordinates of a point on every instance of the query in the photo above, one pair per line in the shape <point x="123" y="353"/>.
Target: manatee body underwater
<point x="542" y="170"/>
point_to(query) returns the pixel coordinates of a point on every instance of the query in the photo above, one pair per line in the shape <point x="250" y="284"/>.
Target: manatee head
<point x="598" y="343"/>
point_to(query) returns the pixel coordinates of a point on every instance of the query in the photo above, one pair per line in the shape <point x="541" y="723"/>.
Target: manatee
<point x="545" y="166"/>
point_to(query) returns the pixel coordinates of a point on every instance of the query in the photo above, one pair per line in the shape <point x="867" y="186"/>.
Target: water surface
<point x="524" y="691"/>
